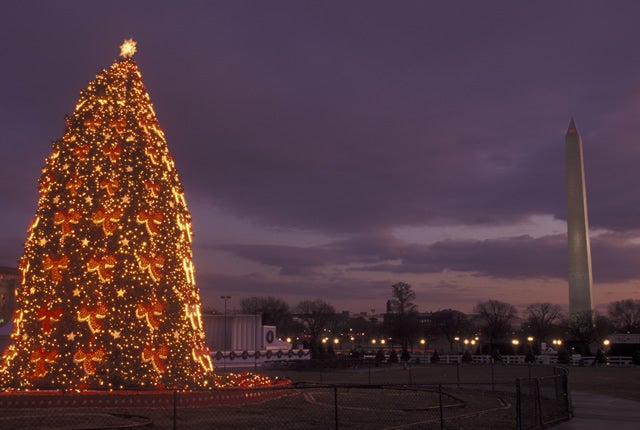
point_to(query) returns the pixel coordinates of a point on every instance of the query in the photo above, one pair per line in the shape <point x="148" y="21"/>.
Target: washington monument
<point x="577" y="225"/>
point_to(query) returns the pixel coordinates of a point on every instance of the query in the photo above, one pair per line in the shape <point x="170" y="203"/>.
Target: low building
<point x="9" y="281"/>
<point x="239" y="340"/>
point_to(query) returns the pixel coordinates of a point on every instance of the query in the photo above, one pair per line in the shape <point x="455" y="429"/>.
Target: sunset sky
<point x="331" y="149"/>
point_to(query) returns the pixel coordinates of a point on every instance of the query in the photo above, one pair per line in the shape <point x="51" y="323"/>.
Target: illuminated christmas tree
<point x="108" y="297"/>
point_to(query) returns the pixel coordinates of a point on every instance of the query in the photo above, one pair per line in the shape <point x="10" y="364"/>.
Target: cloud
<point x="517" y="258"/>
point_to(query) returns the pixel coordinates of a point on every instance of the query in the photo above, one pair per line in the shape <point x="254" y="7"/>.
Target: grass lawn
<point x="621" y="382"/>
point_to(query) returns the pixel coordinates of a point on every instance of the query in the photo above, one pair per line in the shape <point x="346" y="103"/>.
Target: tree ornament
<point x="150" y="312"/>
<point x="113" y="152"/>
<point x="41" y="357"/>
<point x="107" y="219"/>
<point x="203" y="356"/>
<point x="55" y="266"/>
<point x="92" y="316"/>
<point x="66" y="219"/>
<point x="128" y="48"/>
<point x="111" y="185"/>
<point x="153" y="188"/>
<point x="153" y="264"/>
<point x="81" y="151"/>
<point x="73" y="184"/>
<point x="156" y="356"/>
<point x="48" y="317"/>
<point x="152" y="151"/>
<point x="102" y="265"/>
<point x="93" y="124"/>
<point x="151" y="220"/>
<point x="88" y="358"/>
<point x="119" y="124"/>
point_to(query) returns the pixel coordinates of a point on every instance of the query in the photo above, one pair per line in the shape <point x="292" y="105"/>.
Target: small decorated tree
<point x="108" y="297"/>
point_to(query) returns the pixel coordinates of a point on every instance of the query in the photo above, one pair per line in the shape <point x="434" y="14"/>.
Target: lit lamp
<point x="515" y="343"/>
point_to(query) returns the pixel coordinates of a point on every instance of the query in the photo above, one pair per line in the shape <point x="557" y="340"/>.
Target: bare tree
<point x="541" y="320"/>
<point x="496" y="319"/>
<point x="403" y="297"/>
<point x="316" y="315"/>
<point x="586" y="327"/>
<point x="625" y="315"/>
<point x="450" y="324"/>
<point x="401" y="320"/>
<point x="274" y="311"/>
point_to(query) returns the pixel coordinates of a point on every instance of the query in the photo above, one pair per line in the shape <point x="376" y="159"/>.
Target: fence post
<point x="567" y="394"/>
<point x="539" y="404"/>
<point x="458" y="373"/>
<point x="518" y="406"/>
<point x="175" y="409"/>
<point x="335" y="404"/>
<point x="369" y="372"/>
<point x="441" y="407"/>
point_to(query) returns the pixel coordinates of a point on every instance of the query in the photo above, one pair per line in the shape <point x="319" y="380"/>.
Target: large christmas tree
<point x="108" y="297"/>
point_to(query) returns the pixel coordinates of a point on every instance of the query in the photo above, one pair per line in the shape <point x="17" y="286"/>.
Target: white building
<point x="238" y="340"/>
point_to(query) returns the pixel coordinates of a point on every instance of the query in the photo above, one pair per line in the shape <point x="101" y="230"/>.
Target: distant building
<point x="239" y="340"/>
<point x="9" y="281"/>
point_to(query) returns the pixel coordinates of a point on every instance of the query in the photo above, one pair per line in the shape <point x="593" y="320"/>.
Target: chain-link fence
<point x="469" y="397"/>
<point x="543" y="401"/>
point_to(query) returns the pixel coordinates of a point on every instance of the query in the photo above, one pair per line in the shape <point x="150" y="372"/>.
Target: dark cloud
<point x="515" y="258"/>
<point x="350" y="118"/>
<point x="334" y="290"/>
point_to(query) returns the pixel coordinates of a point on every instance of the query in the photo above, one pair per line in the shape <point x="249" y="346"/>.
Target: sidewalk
<point x="594" y="412"/>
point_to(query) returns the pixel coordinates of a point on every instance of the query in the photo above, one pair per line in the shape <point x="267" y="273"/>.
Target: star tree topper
<point x="128" y="48"/>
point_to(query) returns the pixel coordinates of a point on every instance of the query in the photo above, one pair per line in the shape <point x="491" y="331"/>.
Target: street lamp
<point x="224" y="358"/>
<point x="515" y="343"/>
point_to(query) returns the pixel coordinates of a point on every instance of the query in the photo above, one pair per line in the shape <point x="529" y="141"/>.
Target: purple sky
<point x="330" y="149"/>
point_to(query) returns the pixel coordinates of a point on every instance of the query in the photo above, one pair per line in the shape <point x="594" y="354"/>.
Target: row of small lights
<point x="473" y="341"/>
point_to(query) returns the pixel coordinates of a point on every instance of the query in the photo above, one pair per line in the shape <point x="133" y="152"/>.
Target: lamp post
<point x="515" y="343"/>
<point x="224" y="342"/>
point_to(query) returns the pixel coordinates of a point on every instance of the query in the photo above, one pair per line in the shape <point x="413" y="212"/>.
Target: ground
<point x="473" y="396"/>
